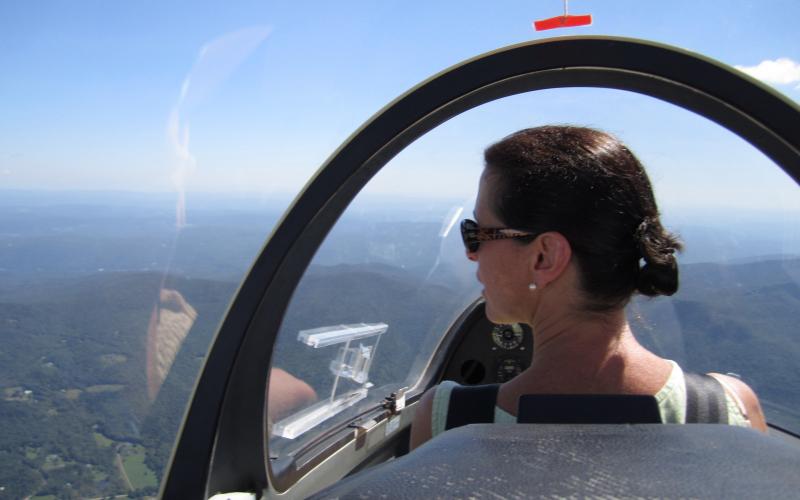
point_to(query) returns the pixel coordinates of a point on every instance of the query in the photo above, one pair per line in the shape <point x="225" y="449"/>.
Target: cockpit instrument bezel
<point x="508" y="337"/>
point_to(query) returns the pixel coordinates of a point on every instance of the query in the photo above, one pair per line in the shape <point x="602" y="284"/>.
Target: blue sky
<point x="253" y="96"/>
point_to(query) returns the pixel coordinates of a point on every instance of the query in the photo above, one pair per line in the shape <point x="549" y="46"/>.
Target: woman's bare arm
<point x="747" y="396"/>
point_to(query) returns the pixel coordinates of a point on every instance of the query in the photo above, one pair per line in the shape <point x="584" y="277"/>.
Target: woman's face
<point x="504" y="267"/>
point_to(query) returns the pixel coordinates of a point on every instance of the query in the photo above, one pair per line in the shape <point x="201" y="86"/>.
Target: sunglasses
<point x="473" y="234"/>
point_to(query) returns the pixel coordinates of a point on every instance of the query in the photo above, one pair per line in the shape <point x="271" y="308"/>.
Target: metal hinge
<point x="395" y="402"/>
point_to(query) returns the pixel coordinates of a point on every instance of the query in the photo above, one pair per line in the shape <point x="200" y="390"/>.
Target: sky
<point x="252" y="97"/>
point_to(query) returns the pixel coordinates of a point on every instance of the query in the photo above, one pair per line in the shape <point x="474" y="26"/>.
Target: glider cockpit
<point x="316" y="369"/>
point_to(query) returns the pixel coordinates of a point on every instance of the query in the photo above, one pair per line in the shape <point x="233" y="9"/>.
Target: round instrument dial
<point x="507" y="336"/>
<point x="508" y="368"/>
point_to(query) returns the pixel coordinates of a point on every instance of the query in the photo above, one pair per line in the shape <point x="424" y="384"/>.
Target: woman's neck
<point x="570" y="333"/>
<point x="588" y="351"/>
<point x="586" y="355"/>
<point x="590" y="354"/>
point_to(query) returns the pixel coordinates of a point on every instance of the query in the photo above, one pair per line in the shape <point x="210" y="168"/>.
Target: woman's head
<point x="588" y="187"/>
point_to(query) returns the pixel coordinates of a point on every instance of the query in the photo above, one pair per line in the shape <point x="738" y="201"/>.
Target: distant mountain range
<point x="80" y="290"/>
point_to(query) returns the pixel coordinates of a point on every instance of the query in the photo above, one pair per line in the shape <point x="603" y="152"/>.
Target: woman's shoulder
<point x="746" y="399"/>
<point x="742" y="398"/>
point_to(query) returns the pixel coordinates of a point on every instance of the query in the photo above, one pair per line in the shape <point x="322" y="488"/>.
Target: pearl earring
<point x="532" y="286"/>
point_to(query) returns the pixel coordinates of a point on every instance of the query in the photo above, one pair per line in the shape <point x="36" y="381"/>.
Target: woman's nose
<point x="473" y="256"/>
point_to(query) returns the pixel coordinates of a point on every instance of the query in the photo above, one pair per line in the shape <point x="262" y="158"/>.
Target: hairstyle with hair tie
<point x="586" y="185"/>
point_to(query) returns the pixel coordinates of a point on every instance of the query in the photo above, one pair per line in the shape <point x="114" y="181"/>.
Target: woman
<point x="566" y="230"/>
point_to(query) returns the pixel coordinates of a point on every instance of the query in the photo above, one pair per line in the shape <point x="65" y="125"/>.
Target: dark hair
<point x="586" y="185"/>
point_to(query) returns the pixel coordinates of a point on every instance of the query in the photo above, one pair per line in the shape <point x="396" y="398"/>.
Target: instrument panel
<point x="487" y="353"/>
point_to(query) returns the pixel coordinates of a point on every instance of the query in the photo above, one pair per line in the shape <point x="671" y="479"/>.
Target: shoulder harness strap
<point x="705" y="400"/>
<point x="471" y="405"/>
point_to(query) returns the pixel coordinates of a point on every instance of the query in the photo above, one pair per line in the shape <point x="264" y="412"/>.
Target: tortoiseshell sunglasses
<point x="473" y="234"/>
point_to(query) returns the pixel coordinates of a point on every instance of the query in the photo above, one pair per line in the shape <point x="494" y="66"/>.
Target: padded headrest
<point x="541" y="460"/>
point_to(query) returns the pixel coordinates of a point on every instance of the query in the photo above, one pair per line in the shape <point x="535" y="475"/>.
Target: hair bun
<point x="659" y="274"/>
<point x="658" y="279"/>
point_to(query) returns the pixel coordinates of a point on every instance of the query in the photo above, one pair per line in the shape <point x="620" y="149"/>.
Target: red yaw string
<point x="562" y="22"/>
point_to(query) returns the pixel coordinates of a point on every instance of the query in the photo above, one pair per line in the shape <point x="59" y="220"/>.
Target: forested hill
<point x="75" y="406"/>
<point x="73" y="372"/>
<point x="73" y="364"/>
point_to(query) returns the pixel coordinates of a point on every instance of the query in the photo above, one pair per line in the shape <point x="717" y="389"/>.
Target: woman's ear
<point x="551" y="255"/>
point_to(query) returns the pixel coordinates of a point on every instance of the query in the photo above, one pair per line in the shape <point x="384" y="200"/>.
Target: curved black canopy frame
<point x="222" y="444"/>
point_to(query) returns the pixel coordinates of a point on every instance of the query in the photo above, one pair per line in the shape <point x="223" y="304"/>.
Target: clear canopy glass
<point x="147" y="152"/>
